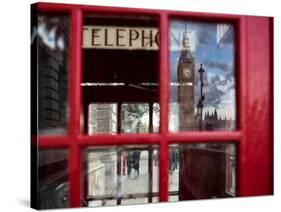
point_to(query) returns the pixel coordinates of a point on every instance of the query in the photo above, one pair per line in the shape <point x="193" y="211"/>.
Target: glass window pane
<point x="134" y="201"/>
<point x="135" y="118"/>
<point x="114" y="72"/>
<point x="202" y="72"/>
<point x="53" y="70"/>
<point x="53" y="182"/>
<point x="202" y="171"/>
<point x="136" y="172"/>
<point x="102" y="173"/>
<point x="173" y="172"/>
<point x="120" y="175"/>
<point x="102" y="118"/>
<point x="155" y="171"/>
<point x="156" y="117"/>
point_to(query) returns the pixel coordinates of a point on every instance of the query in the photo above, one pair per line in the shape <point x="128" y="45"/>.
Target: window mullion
<point x="75" y="107"/>
<point x="75" y="71"/>
<point x="205" y="136"/>
<point x="164" y="105"/>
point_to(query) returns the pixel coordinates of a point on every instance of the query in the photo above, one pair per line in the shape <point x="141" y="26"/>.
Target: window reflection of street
<point x="126" y="179"/>
<point x="51" y="35"/>
<point x="53" y="182"/>
<point x="134" y="118"/>
<point x="207" y="170"/>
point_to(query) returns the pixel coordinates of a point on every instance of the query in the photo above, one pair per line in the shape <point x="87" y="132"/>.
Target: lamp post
<point x="201" y="98"/>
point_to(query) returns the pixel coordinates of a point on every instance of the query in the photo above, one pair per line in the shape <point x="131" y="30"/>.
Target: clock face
<point x="187" y="73"/>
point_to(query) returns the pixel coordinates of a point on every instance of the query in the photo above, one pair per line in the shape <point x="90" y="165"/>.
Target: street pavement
<point x="140" y="184"/>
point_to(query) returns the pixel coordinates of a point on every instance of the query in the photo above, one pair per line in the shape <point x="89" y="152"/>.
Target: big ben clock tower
<point x="186" y="68"/>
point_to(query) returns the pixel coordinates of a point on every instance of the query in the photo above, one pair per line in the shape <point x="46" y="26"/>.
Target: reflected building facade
<point x="213" y="122"/>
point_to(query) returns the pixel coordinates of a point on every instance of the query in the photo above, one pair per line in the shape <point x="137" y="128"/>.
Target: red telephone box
<point x="124" y="59"/>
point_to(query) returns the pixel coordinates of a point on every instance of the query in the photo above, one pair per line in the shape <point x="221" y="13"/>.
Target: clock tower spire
<point x="185" y="72"/>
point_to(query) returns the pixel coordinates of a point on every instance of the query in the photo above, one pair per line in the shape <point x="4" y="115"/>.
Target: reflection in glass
<point x="120" y="55"/>
<point x="102" y="118"/>
<point x="202" y="64"/>
<point x="202" y="171"/>
<point x="135" y="118"/>
<point x="173" y="173"/>
<point x="53" y="184"/>
<point x="156" y="117"/>
<point x="123" y="175"/>
<point x="52" y="38"/>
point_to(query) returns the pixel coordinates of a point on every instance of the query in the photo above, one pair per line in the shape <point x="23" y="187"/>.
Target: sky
<point x="218" y="59"/>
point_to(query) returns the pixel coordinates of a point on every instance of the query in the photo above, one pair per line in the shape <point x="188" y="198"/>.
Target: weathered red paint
<point x="164" y="79"/>
<point x="75" y="169"/>
<point x="205" y="136"/>
<point x="242" y="93"/>
<point x="254" y="136"/>
<point x="75" y="175"/>
<point x="59" y="7"/>
<point x="75" y="71"/>
<point x="121" y="139"/>
<point x="256" y="149"/>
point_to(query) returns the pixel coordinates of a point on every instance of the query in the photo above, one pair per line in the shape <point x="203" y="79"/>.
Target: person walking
<point x="130" y="161"/>
<point x="136" y="163"/>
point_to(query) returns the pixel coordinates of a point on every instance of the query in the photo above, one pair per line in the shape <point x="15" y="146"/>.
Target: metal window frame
<point x="248" y="175"/>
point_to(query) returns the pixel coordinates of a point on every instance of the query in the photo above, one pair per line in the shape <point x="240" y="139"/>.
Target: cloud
<point x="213" y="96"/>
<point x="50" y="34"/>
<point x="220" y="65"/>
<point x="203" y="37"/>
<point x="215" y="79"/>
<point x="219" y="90"/>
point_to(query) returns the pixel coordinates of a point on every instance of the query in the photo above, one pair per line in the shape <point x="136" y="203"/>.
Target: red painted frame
<point x="254" y="136"/>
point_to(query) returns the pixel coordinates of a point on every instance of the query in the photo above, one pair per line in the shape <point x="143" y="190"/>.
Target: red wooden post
<point x="75" y="71"/>
<point x="75" y="167"/>
<point x="256" y="149"/>
<point x="164" y="106"/>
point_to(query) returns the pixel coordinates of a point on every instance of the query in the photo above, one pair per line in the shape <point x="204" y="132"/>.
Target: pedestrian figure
<point x="136" y="164"/>
<point x="133" y="162"/>
<point x="155" y="157"/>
<point x="177" y="157"/>
<point x="173" y="160"/>
<point x="130" y="161"/>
